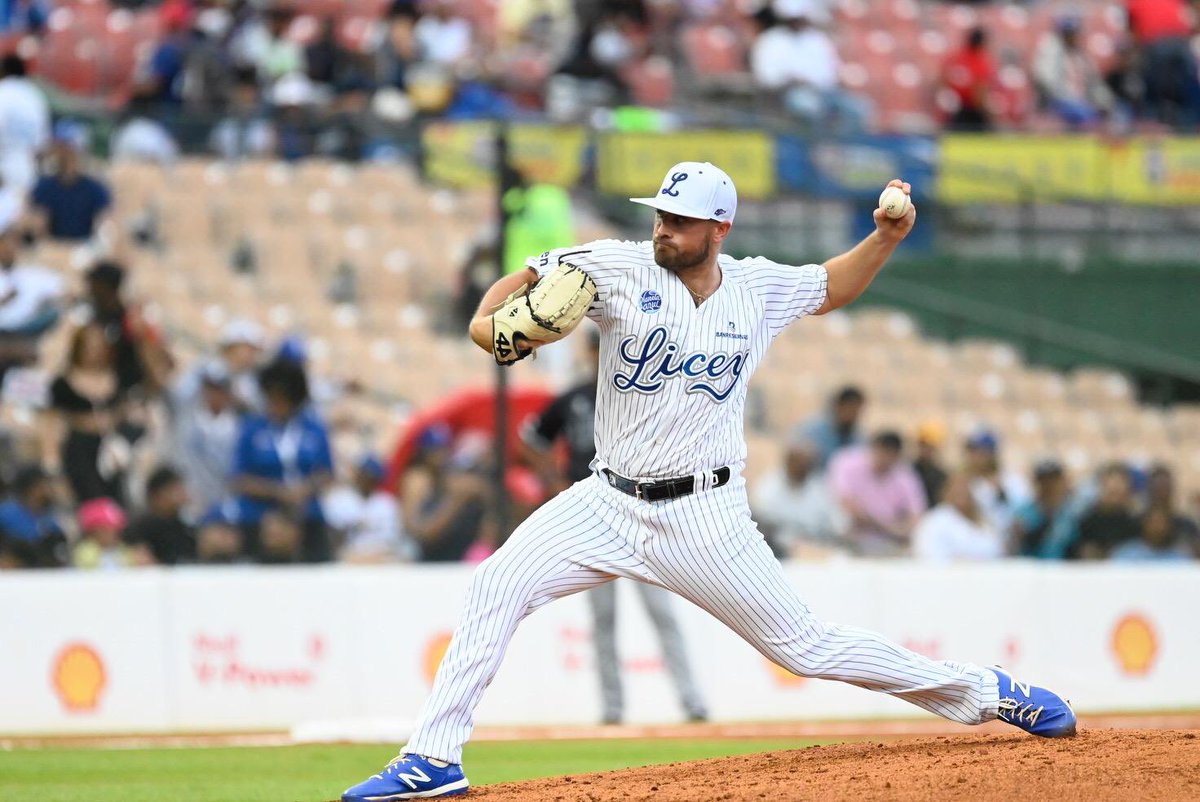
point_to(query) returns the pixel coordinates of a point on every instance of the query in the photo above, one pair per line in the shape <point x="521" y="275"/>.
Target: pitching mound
<point x="1097" y="765"/>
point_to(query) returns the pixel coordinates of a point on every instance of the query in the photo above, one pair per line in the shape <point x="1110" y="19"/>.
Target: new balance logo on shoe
<point x="412" y="779"/>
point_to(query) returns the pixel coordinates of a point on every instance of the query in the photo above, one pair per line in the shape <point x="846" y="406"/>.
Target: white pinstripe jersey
<point x="673" y="375"/>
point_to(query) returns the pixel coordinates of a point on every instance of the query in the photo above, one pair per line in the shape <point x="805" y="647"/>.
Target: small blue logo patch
<point x="651" y="301"/>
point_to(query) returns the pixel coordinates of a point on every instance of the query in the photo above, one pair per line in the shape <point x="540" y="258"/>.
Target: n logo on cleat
<point x="412" y="779"/>
<point x="1023" y="687"/>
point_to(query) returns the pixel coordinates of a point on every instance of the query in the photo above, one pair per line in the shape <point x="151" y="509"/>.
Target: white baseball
<point x="894" y="202"/>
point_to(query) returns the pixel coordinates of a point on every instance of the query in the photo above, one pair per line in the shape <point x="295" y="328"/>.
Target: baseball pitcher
<point x="682" y="328"/>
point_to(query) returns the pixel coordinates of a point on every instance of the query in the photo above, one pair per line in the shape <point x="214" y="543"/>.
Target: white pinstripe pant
<point x="706" y="548"/>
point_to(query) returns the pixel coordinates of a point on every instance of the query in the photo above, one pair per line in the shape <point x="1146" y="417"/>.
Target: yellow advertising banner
<point x="463" y="154"/>
<point x="633" y="164"/>
<point x="1156" y="171"/>
<point x="980" y="168"/>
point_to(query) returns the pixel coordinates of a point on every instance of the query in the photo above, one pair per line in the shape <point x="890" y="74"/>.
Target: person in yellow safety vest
<point x="539" y="220"/>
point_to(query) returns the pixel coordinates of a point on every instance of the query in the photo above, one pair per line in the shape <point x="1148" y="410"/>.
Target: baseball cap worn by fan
<point x="101" y="513"/>
<point x="695" y="189"/>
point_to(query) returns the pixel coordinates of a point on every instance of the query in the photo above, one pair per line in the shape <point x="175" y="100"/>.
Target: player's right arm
<point x="481" y="324"/>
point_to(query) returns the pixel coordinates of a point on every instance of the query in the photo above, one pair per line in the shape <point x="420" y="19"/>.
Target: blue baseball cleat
<point x="1036" y="710"/>
<point x="409" y="777"/>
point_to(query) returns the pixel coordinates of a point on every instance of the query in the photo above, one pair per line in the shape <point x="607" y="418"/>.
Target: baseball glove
<point x="547" y="312"/>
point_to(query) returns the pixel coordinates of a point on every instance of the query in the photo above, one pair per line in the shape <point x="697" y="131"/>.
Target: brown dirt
<point x="1096" y="766"/>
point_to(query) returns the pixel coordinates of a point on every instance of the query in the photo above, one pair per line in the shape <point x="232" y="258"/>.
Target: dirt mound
<point x="1096" y="766"/>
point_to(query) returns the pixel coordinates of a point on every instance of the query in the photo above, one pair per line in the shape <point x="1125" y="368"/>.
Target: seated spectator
<point x="240" y="348"/>
<point x="1162" y="540"/>
<point x="326" y="62"/>
<point x="1046" y="525"/>
<point x="161" y="529"/>
<point x="260" y="40"/>
<point x="399" y="47"/>
<point x="1111" y="520"/>
<point x="246" y="132"/>
<point x="160" y="81"/>
<point x="218" y="540"/>
<point x="366" y="519"/>
<point x="445" y="506"/>
<point x="795" y="507"/>
<point x="443" y="36"/>
<point x="280" y="537"/>
<point x="144" y="140"/>
<point x="294" y="97"/>
<point x="837" y="427"/>
<point x="970" y="75"/>
<point x="880" y="493"/>
<point x="67" y="203"/>
<point x="1161" y="30"/>
<point x="956" y="529"/>
<point x="282" y="464"/>
<point x="204" y="436"/>
<point x="81" y="427"/>
<point x="1161" y="492"/>
<point x="1067" y="79"/>
<point x="207" y="73"/>
<point x="277" y="54"/>
<point x="101" y="522"/>
<point x="30" y="535"/>
<point x="931" y="436"/>
<point x="141" y="358"/>
<point x="349" y="131"/>
<point x="799" y="62"/>
<point x="31" y="297"/>
<point x="997" y="491"/>
<point x="26" y="127"/>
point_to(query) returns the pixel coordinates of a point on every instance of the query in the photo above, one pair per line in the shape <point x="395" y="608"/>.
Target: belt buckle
<point x="637" y="491"/>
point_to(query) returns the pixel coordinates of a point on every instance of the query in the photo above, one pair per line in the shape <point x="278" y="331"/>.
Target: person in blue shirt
<point x="30" y="535"/>
<point x="1161" y="540"/>
<point x="1047" y="525"/>
<point x="837" y="427"/>
<point x="68" y="204"/>
<point x="282" y="464"/>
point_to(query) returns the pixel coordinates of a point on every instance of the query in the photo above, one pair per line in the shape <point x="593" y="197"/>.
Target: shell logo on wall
<point x="79" y="677"/>
<point x="1135" y="644"/>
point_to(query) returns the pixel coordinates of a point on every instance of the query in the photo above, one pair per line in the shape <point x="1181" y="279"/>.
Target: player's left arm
<point x="851" y="273"/>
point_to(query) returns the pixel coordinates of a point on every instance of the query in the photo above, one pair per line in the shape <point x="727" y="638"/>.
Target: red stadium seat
<point x="651" y="81"/>
<point x="713" y="50"/>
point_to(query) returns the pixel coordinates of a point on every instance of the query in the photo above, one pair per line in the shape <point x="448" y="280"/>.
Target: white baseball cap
<point x="695" y="189"/>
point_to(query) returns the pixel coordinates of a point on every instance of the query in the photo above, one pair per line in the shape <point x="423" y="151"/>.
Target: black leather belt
<point x="662" y="489"/>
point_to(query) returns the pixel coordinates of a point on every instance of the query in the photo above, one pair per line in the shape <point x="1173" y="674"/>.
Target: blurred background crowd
<point x="291" y="78"/>
<point x="220" y="268"/>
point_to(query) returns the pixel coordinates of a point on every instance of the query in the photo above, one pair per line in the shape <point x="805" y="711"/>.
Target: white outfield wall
<point x="195" y="649"/>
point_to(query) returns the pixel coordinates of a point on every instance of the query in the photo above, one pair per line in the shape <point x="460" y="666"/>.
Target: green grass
<point x="312" y="773"/>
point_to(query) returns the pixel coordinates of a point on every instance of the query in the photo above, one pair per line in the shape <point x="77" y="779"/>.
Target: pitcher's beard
<point x="670" y="258"/>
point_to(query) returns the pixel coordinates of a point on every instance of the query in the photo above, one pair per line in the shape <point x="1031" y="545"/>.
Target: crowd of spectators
<point x="278" y="78"/>
<point x="140" y="460"/>
<point x="875" y="498"/>
<point x="142" y="464"/>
